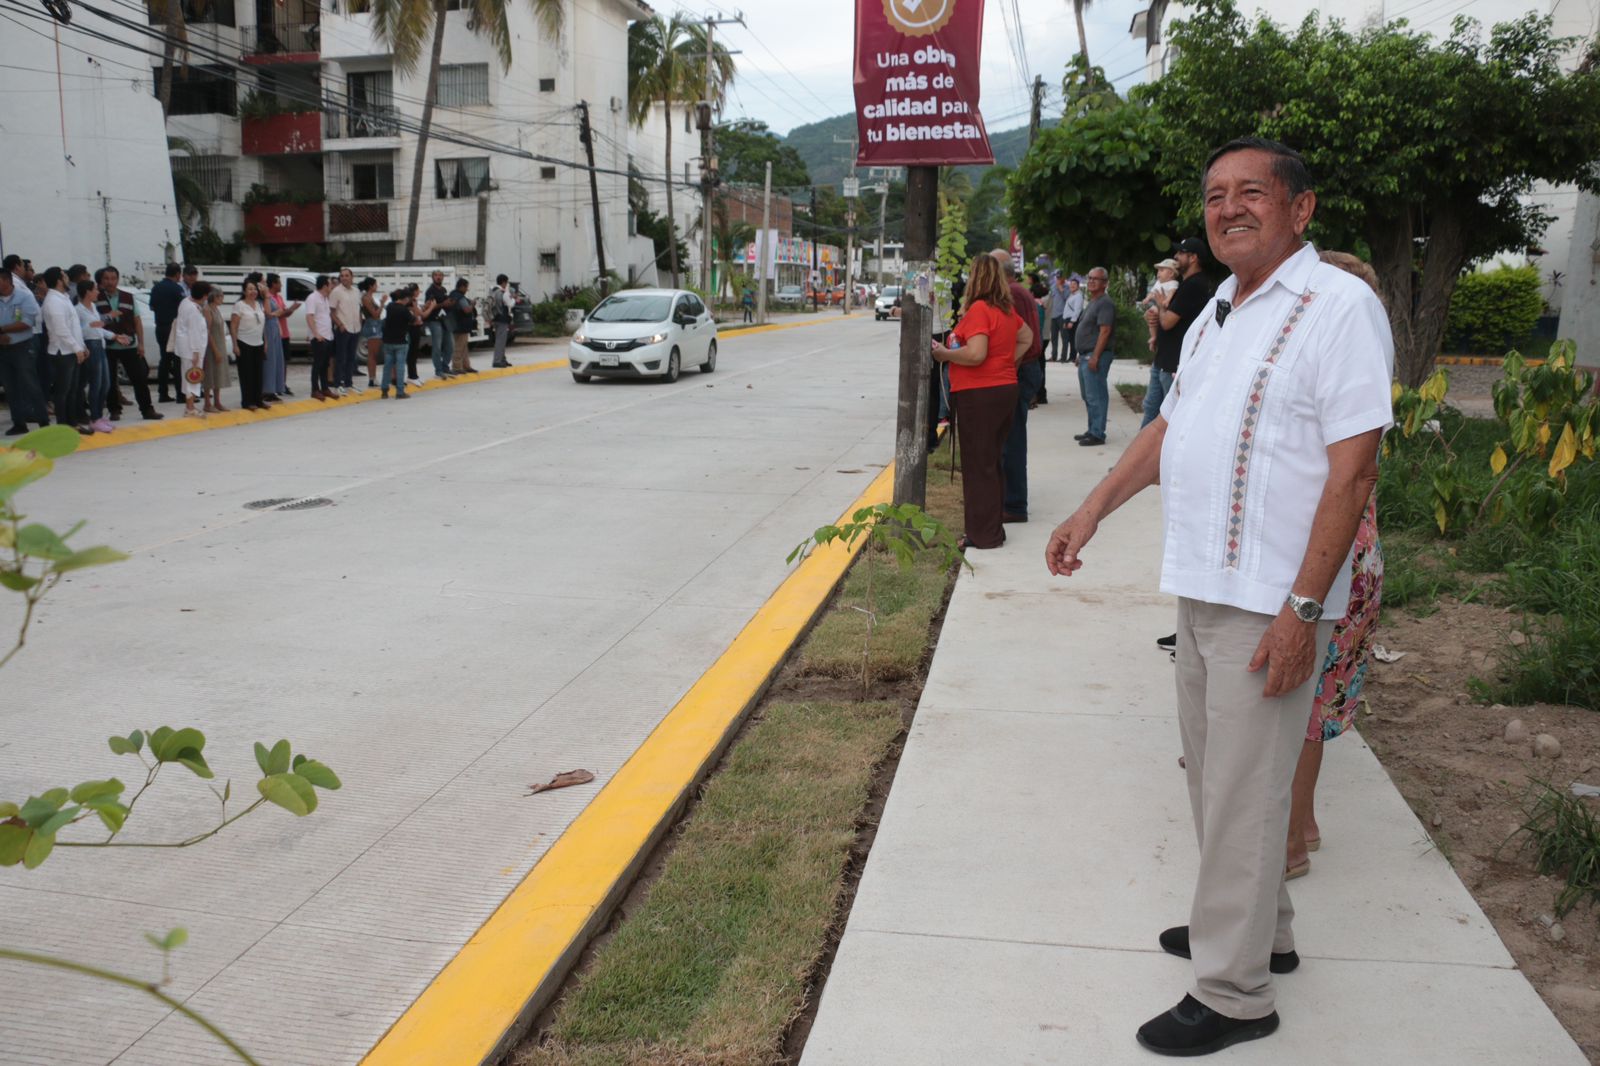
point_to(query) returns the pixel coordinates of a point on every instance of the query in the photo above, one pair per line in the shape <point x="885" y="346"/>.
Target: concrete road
<point x="510" y="580"/>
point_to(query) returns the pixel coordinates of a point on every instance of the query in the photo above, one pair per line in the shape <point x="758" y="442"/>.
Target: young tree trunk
<point x="672" y="229"/>
<point x="419" y="164"/>
<point x="1083" y="38"/>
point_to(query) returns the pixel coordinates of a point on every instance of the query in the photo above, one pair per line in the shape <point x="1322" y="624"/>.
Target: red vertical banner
<point x="916" y="81"/>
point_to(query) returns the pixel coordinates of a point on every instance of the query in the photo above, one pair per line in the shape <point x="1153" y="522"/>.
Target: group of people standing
<point x="64" y="335"/>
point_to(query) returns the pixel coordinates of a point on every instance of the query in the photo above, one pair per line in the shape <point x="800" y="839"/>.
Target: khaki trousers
<point x="459" y="357"/>
<point x="1240" y="750"/>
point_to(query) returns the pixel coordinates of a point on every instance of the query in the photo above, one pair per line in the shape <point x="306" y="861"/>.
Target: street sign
<point x="916" y="83"/>
<point x="852" y="188"/>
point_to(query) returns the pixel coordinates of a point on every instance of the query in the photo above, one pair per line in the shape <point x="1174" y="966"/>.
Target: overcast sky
<point x="796" y="61"/>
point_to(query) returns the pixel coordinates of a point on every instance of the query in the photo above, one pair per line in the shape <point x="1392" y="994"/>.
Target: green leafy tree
<point x="1089" y="191"/>
<point x="745" y="147"/>
<point x="950" y="255"/>
<point x="404" y="25"/>
<point x="1422" y="149"/>
<point x="987" y="221"/>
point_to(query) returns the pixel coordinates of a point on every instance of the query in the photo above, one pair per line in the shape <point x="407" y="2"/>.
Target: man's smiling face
<point x="1250" y="216"/>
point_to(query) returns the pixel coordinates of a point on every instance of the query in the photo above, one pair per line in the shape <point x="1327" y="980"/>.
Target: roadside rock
<point x="1546" y="746"/>
<point x="1516" y="732"/>
<point x="1557" y="933"/>
<point x="1517" y="638"/>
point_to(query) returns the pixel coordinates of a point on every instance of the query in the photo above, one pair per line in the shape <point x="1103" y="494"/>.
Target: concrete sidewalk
<point x="1038" y="837"/>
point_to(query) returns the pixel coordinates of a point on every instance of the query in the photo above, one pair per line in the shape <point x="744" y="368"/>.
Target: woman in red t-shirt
<point x="983" y="395"/>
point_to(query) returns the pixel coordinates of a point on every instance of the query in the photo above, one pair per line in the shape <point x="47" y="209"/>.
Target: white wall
<point x="86" y="176"/>
<point x="1580" y="315"/>
<point x="649" y="147"/>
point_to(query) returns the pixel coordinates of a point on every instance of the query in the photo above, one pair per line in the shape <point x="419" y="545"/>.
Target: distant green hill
<point x="829" y="162"/>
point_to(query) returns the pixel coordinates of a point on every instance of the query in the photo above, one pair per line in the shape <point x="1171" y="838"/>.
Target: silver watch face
<point x="1306" y="610"/>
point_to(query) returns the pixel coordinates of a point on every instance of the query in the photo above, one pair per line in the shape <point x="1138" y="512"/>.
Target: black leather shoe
<point x="1175" y="941"/>
<point x="1171" y="644"/>
<point x="1080" y="436"/>
<point x="1090" y="442"/>
<point x="1192" y="1028"/>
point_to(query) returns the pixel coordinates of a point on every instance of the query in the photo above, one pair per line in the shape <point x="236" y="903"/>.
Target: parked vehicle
<point x="885" y="305"/>
<point x="645" y="333"/>
<point x="790" y="295"/>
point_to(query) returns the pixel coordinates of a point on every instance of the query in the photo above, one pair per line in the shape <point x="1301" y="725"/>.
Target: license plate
<point x="608" y="360"/>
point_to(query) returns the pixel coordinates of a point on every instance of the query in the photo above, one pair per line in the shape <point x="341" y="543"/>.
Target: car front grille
<point x="610" y="346"/>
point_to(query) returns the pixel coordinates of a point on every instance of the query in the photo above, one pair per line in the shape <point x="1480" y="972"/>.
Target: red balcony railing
<point x="288" y="134"/>
<point x="284" y="223"/>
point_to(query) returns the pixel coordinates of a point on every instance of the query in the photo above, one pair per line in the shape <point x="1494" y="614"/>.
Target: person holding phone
<point x="991" y="341"/>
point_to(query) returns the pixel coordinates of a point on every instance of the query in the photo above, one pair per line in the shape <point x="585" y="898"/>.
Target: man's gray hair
<point x="1007" y="264"/>
<point x="1288" y="165"/>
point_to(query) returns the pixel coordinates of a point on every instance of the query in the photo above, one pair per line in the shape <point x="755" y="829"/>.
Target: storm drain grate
<point x="289" y="503"/>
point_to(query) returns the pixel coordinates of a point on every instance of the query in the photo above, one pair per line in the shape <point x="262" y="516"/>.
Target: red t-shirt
<point x="999" y="368"/>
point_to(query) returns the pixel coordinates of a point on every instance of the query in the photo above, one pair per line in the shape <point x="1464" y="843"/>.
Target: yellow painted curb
<point x="513" y="965"/>
<point x="175" y="425"/>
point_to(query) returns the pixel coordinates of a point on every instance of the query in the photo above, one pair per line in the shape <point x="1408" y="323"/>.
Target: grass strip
<point x="712" y="967"/>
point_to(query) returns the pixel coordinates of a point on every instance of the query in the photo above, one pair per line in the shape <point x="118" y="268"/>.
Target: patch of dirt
<point x="1448" y="756"/>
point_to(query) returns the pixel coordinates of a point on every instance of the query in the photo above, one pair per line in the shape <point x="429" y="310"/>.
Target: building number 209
<point x="283" y="221"/>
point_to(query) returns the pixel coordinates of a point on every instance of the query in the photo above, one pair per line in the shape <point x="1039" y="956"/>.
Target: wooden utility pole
<point x="1036" y="108"/>
<point x="761" y="247"/>
<point x="816" y="267"/>
<point x="586" y="135"/>
<point x="852" y="191"/>
<point x="916" y="336"/>
<point x="708" y="150"/>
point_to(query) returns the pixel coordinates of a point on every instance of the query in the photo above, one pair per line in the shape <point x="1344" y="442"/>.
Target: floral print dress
<point x="1344" y="670"/>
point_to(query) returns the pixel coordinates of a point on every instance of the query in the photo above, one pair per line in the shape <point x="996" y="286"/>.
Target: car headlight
<point x="580" y="337"/>
<point x="654" y="338"/>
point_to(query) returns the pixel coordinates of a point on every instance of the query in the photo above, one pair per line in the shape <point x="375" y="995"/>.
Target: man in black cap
<point x="1172" y="319"/>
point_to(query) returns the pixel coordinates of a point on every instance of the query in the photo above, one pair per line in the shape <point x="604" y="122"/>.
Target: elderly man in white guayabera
<point x="1266" y="451"/>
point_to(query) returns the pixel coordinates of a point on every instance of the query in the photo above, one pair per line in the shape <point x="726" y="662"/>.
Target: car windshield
<point x="790" y="288"/>
<point x="633" y="309"/>
<point x="892" y="290"/>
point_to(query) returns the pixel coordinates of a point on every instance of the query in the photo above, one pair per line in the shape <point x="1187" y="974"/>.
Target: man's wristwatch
<point x="1305" y="608"/>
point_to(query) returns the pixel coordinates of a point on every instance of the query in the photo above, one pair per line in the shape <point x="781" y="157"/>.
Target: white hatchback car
<point x="645" y="333"/>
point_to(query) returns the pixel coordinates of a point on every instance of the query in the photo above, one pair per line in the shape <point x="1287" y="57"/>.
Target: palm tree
<point x="728" y="235"/>
<point x="1078" y="7"/>
<point x="187" y="193"/>
<point x="404" y="24"/>
<point x="667" y="64"/>
<point x="170" y="13"/>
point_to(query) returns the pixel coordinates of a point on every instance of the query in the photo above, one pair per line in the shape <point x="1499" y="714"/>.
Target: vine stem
<point x="1483" y="507"/>
<point x="208" y="834"/>
<point x="131" y="982"/>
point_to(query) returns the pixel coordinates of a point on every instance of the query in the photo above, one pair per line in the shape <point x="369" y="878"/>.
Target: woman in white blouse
<point x="189" y="341"/>
<point x="98" y="378"/>
<point x="249" y="346"/>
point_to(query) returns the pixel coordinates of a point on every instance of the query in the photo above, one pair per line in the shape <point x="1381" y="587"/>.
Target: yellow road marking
<point x="514" y="964"/>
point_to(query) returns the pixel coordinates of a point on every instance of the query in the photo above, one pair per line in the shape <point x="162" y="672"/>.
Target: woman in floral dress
<point x="1344" y="670"/>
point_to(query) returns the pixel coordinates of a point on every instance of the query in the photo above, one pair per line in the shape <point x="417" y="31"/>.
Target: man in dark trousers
<point x="1172" y="316"/>
<point x="165" y="298"/>
<point x="121" y="316"/>
<point x="1030" y="376"/>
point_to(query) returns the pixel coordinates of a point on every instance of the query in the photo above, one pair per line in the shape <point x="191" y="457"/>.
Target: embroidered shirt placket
<point x="1244" y="446"/>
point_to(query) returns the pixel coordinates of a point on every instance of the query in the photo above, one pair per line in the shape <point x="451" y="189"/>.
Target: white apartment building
<point x="1570" y="18"/>
<point x="86" y="179"/>
<point x="308" y="137"/>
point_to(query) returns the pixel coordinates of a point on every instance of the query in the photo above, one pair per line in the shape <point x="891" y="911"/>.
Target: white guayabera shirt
<point x="1304" y="362"/>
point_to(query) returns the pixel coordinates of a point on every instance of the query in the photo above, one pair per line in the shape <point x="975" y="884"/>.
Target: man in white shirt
<point x="500" y="305"/>
<point x="1266" y="451"/>
<point x="66" y="348"/>
<point x="319" y="315"/>
<point x="19" y="316"/>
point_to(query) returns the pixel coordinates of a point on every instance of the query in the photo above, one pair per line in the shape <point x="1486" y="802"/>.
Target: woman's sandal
<point x="1297" y="870"/>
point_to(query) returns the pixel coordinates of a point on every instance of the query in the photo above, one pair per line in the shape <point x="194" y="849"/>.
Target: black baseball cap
<point x="1192" y="245"/>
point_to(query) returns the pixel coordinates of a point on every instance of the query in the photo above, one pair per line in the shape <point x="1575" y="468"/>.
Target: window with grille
<point x="463" y="85"/>
<point x="372" y="181"/>
<point x="547" y="85"/>
<point x="200" y="91"/>
<point x="213" y="173"/>
<point x="458" y="256"/>
<point x="371" y="111"/>
<point x="549" y="260"/>
<point x="458" y="178"/>
<point x="547" y="173"/>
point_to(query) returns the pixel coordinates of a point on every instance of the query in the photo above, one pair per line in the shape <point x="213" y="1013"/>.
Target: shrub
<point x="1492" y="310"/>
